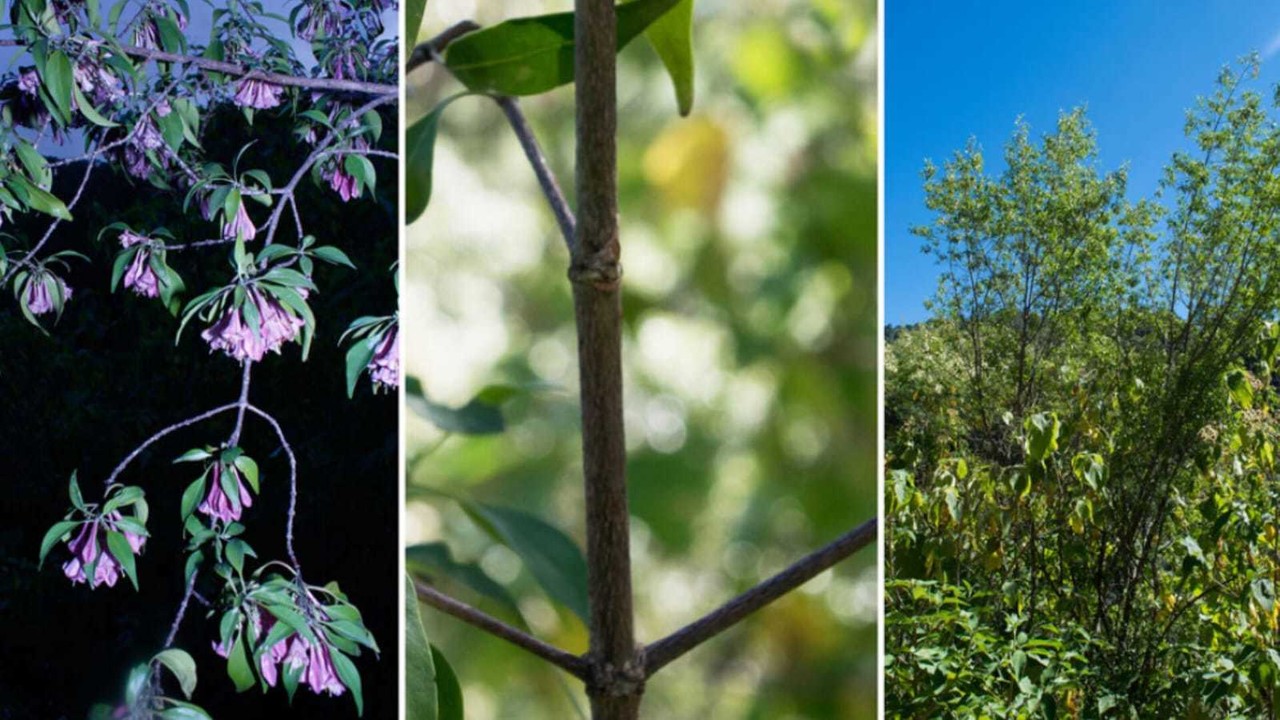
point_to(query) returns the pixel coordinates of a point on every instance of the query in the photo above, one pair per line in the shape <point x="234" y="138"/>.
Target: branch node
<point x="601" y="270"/>
<point x="609" y="680"/>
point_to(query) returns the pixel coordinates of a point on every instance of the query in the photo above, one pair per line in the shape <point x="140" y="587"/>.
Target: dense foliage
<point x="1081" y="483"/>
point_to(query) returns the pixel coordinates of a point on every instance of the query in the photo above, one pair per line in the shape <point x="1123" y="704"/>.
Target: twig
<point x="229" y="68"/>
<point x="293" y="484"/>
<point x="172" y="428"/>
<point x="547" y="179"/>
<point x="427" y="51"/>
<point x="676" y="644"/>
<point x="241" y="404"/>
<point x="570" y="663"/>
<point x="182" y="610"/>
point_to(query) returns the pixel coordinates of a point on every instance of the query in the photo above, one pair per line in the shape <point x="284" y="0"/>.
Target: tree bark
<point x="616" y="682"/>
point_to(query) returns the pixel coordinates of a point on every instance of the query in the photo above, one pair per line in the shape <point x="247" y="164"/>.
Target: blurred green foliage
<point x="749" y="247"/>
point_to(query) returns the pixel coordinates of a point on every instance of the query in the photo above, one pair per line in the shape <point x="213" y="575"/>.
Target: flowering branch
<point x="570" y="663"/>
<point x="182" y="609"/>
<point x="229" y="68"/>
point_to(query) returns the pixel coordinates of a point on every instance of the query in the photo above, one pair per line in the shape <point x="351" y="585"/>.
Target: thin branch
<point x="172" y="428"/>
<point x="182" y="610"/>
<point x="293" y="484"/>
<point x="230" y="68"/>
<point x="676" y="644"/>
<point x="570" y="663"/>
<point x="429" y="50"/>
<point x="241" y="404"/>
<point x="547" y="179"/>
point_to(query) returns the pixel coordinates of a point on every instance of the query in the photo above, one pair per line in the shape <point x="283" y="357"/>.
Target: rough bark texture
<point x="617" y="680"/>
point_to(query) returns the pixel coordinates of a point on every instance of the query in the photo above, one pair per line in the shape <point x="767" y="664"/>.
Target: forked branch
<point x="678" y="643"/>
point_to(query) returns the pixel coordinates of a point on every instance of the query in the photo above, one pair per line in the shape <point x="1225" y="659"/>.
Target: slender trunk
<point x="617" y="680"/>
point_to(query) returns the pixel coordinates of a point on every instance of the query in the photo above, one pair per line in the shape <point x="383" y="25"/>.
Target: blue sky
<point x="959" y="69"/>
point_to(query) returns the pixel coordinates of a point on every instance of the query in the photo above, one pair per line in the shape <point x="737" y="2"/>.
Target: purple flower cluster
<point x="39" y="293"/>
<point x="88" y="551"/>
<point x="292" y="654"/>
<point x="323" y="17"/>
<point x="384" y="366"/>
<point x="239" y="339"/>
<point x="29" y="81"/>
<point x="216" y="504"/>
<point x="257" y="94"/>
<point x="341" y="181"/>
<point x="140" y="277"/>
<point x="97" y="82"/>
<point x="146" y="139"/>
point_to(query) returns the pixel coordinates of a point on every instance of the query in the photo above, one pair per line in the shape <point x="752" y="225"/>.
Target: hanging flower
<point x="257" y="94"/>
<point x="146" y="138"/>
<point x="216" y="504"/>
<point x="97" y="82"/>
<point x="235" y="336"/>
<point x="140" y="277"/>
<point x="316" y="665"/>
<point x="29" y="81"/>
<point x="88" y="552"/>
<point x="241" y="224"/>
<point x="40" y="293"/>
<point x="384" y="367"/>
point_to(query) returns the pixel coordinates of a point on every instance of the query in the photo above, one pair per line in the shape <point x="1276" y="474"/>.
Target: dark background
<point x="108" y="376"/>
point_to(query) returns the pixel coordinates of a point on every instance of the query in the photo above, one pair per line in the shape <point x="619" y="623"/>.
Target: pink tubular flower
<point x="217" y="505"/>
<point x="40" y="296"/>
<point x="240" y="224"/>
<point x="257" y="94"/>
<point x="87" y="549"/>
<point x="234" y="335"/>
<point x="320" y="674"/>
<point x="384" y="366"/>
<point x="344" y="184"/>
<point x="140" y="277"/>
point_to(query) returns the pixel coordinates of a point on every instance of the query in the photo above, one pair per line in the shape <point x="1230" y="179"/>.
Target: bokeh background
<point x="749" y="248"/>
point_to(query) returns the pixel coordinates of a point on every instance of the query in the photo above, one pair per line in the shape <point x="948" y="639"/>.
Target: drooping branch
<point x="570" y="663"/>
<point x="293" y="483"/>
<point x="172" y="428"/>
<point x="236" y="70"/>
<point x="662" y="652"/>
<point x="182" y="610"/>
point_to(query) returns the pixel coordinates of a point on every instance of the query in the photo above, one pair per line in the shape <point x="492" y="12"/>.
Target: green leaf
<point x="359" y="167"/>
<point x="1042" y="435"/>
<point x="358" y="358"/>
<point x="40" y="200"/>
<point x="182" y="667"/>
<point x="1241" y="391"/>
<point x="52" y="537"/>
<point x="58" y="81"/>
<point x="672" y="38"/>
<point x="193" y="455"/>
<point x="238" y="666"/>
<point x="532" y="55"/>
<point x="414" y="11"/>
<point x="448" y="690"/>
<point x="118" y="544"/>
<point x="249" y="468"/>
<point x="73" y="490"/>
<point x="349" y="676"/>
<point x="550" y="555"/>
<point x="420" y="150"/>
<point x="90" y="113"/>
<point x="192" y="495"/>
<point x="125" y="497"/>
<point x="421" y="694"/>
